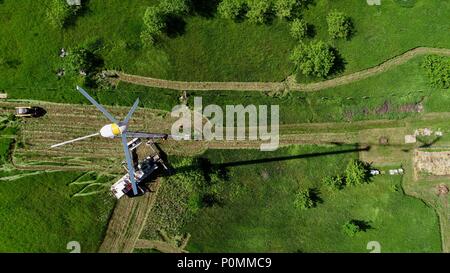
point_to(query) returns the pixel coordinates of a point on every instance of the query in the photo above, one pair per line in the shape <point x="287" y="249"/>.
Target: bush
<point x="153" y="25"/>
<point x="315" y="59"/>
<point x="356" y="173"/>
<point x="354" y="226"/>
<point x="231" y="9"/>
<point x="258" y="10"/>
<point x="84" y="61"/>
<point x="299" y="29"/>
<point x="339" y="25"/>
<point x="304" y="200"/>
<point x="173" y="7"/>
<point x="285" y="8"/>
<point x="438" y="70"/>
<point x="59" y="13"/>
<point x="334" y="182"/>
<point x="80" y="60"/>
<point x="351" y="228"/>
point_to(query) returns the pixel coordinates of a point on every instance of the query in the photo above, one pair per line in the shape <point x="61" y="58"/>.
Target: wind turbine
<point x="117" y="129"/>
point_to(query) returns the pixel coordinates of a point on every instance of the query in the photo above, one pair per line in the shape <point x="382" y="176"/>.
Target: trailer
<point x="143" y="171"/>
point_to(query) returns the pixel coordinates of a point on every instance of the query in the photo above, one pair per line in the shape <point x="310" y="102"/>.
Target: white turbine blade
<point x="130" y="113"/>
<point x="96" y="104"/>
<point x="73" y="140"/>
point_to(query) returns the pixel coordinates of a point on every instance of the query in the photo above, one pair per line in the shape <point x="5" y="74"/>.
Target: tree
<point x="334" y="182"/>
<point x="153" y="25"/>
<point x="299" y="29"/>
<point x="230" y="9"/>
<point x="438" y="70"/>
<point x="351" y="228"/>
<point x="304" y="200"/>
<point x="58" y="13"/>
<point x="80" y="60"/>
<point x="173" y="7"/>
<point x="355" y="173"/>
<point x="83" y="60"/>
<point x="315" y="59"/>
<point x="339" y="25"/>
<point x="258" y="10"/>
<point x="284" y="8"/>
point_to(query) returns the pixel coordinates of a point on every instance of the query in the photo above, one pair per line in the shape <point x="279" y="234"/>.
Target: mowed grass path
<point x="262" y="217"/>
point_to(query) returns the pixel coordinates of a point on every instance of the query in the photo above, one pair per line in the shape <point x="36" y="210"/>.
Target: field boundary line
<point x="278" y="86"/>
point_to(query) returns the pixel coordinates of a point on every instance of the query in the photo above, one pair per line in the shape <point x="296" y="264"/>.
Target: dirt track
<point x="289" y="85"/>
<point x="127" y="221"/>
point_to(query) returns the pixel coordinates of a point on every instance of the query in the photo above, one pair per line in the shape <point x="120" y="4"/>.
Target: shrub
<point x="285" y="8"/>
<point x="334" y="182"/>
<point x="355" y="173"/>
<point x="304" y="200"/>
<point x="80" y="60"/>
<point x="351" y="228"/>
<point x="258" y="10"/>
<point x="339" y="25"/>
<point x="354" y="226"/>
<point x="299" y="29"/>
<point x="153" y="25"/>
<point x="438" y="70"/>
<point x="58" y="13"/>
<point x="230" y="9"/>
<point x="84" y="61"/>
<point x="173" y="7"/>
<point x="315" y="59"/>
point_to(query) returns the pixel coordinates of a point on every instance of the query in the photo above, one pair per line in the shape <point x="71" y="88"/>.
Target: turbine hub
<point x="112" y="130"/>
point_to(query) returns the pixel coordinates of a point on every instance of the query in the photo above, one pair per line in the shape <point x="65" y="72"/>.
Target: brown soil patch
<point x="442" y="189"/>
<point x="434" y="163"/>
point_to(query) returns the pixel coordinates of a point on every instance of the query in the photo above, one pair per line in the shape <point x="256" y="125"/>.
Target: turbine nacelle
<point x="113" y="130"/>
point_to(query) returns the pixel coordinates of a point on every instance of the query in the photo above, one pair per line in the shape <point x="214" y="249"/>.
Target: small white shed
<point x="74" y="2"/>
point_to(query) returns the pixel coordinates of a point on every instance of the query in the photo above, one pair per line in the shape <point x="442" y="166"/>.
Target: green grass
<point x="177" y="200"/>
<point x="209" y="48"/>
<point x="384" y="31"/>
<point x="39" y="215"/>
<point x="5" y="144"/>
<point x="399" y="87"/>
<point x="222" y="50"/>
<point x="38" y="211"/>
<point x="8" y="130"/>
<point x="262" y="216"/>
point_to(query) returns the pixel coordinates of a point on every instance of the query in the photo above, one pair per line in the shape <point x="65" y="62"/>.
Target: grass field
<point x="384" y="31"/>
<point x="209" y="49"/>
<point x="39" y="214"/>
<point x="255" y="212"/>
<point x="262" y="216"/>
<point x="400" y="88"/>
<point x="8" y="130"/>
